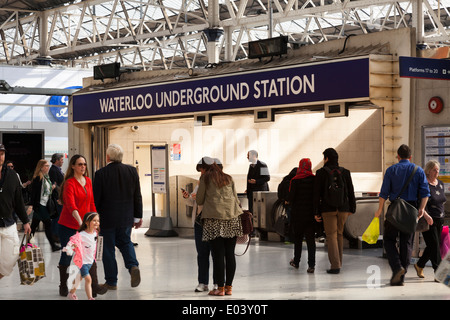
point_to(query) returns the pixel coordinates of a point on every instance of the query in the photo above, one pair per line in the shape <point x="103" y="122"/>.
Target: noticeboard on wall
<point x="436" y="146"/>
<point x="159" y="169"/>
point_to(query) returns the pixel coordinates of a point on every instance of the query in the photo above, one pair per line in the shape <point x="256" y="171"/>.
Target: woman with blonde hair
<point x="41" y="191"/>
<point x="434" y="214"/>
<point x="221" y="224"/>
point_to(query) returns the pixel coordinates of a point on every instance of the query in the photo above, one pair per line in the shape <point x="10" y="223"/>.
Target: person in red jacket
<point x="77" y="199"/>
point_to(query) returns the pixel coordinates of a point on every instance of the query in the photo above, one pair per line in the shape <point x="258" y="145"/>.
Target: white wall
<point x="21" y="112"/>
<point x="281" y="144"/>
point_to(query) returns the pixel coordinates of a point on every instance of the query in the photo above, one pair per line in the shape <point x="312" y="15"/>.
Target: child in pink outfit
<point x="84" y="244"/>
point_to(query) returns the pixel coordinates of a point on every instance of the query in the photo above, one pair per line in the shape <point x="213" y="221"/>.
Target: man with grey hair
<point x="118" y="199"/>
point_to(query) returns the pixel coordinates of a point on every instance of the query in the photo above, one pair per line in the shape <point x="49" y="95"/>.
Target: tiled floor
<point x="169" y="272"/>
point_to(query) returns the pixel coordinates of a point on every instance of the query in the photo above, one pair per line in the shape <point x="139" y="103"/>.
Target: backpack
<point x="336" y="192"/>
<point x="283" y="187"/>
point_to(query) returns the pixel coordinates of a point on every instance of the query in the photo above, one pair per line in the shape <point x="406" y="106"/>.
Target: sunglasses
<point x="82" y="164"/>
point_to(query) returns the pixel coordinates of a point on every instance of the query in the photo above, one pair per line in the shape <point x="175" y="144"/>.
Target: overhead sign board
<point x="291" y="85"/>
<point x="424" y="68"/>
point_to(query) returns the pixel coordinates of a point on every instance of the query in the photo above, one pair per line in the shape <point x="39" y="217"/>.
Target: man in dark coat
<point x="55" y="173"/>
<point x="10" y="201"/>
<point x="333" y="215"/>
<point x="257" y="177"/>
<point x="118" y="199"/>
<point x="56" y="176"/>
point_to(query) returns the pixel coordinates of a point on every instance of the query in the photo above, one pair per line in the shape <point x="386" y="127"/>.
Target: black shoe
<point x="397" y="277"/>
<point x="333" y="271"/>
<point x="293" y="264"/>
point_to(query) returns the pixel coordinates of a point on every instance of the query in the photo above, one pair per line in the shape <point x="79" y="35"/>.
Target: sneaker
<point x="201" y="287"/>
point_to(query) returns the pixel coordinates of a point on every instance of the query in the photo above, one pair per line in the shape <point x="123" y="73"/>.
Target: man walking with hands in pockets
<point x="118" y="199"/>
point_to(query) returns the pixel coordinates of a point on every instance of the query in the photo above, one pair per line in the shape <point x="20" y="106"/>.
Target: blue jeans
<point x="203" y="252"/>
<point x="84" y="271"/>
<point x="121" y="238"/>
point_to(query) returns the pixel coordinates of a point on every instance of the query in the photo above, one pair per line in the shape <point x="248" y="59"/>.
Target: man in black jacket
<point x="10" y="201"/>
<point x="334" y="201"/>
<point x="257" y="177"/>
<point x="118" y="199"/>
<point x="56" y="176"/>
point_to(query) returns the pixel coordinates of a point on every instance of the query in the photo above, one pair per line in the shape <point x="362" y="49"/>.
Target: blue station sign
<point x="326" y="81"/>
<point x="59" y="113"/>
<point x="424" y="68"/>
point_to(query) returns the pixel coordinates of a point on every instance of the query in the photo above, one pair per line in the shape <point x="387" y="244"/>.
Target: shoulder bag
<point x="401" y="214"/>
<point x="52" y="205"/>
<point x="247" y="228"/>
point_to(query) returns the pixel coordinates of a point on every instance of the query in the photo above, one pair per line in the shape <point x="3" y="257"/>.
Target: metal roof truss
<point x="166" y="34"/>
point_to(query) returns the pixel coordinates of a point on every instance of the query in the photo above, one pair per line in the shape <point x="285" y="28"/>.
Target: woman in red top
<point x="77" y="199"/>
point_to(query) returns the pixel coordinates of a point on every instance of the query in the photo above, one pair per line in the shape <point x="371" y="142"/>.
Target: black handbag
<point x="52" y="205"/>
<point x="199" y="219"/>
<point x="401" y="214"/>
<point x="282" y="225"/>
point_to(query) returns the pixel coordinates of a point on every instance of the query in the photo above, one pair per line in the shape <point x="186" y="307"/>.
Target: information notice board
<point x="436" y="146"/>
<point x="159" y="169"/>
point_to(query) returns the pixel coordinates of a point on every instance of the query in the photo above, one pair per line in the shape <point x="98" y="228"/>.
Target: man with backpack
<point x="334" y="201"/>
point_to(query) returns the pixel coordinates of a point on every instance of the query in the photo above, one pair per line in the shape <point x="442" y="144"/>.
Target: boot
<point x="220" y="291"/>
<point x="419" y="271"/>
<point x="96" y="288"/>
<point x="228" y="290"/>
<point x="63" y="276"/>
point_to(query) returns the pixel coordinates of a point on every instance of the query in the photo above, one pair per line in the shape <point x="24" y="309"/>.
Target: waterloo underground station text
<point x="224" y="93"/>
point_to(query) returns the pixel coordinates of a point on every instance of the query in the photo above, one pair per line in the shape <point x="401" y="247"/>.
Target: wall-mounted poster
<point x="436" y="146"/>
<point x="175" y="152"/>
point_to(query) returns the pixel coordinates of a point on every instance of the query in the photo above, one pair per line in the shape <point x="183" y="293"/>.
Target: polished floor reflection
<point x="169" y="272"/>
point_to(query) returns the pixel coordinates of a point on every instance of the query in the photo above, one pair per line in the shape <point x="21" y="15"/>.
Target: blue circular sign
<point x="61" y="114"/>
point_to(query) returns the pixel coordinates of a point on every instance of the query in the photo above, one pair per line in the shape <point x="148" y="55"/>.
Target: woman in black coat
<point x="302" y="214"/>
<point x="41" y="191"/>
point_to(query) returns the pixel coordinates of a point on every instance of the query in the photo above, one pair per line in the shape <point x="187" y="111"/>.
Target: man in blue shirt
<point x="417" y="194"/>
